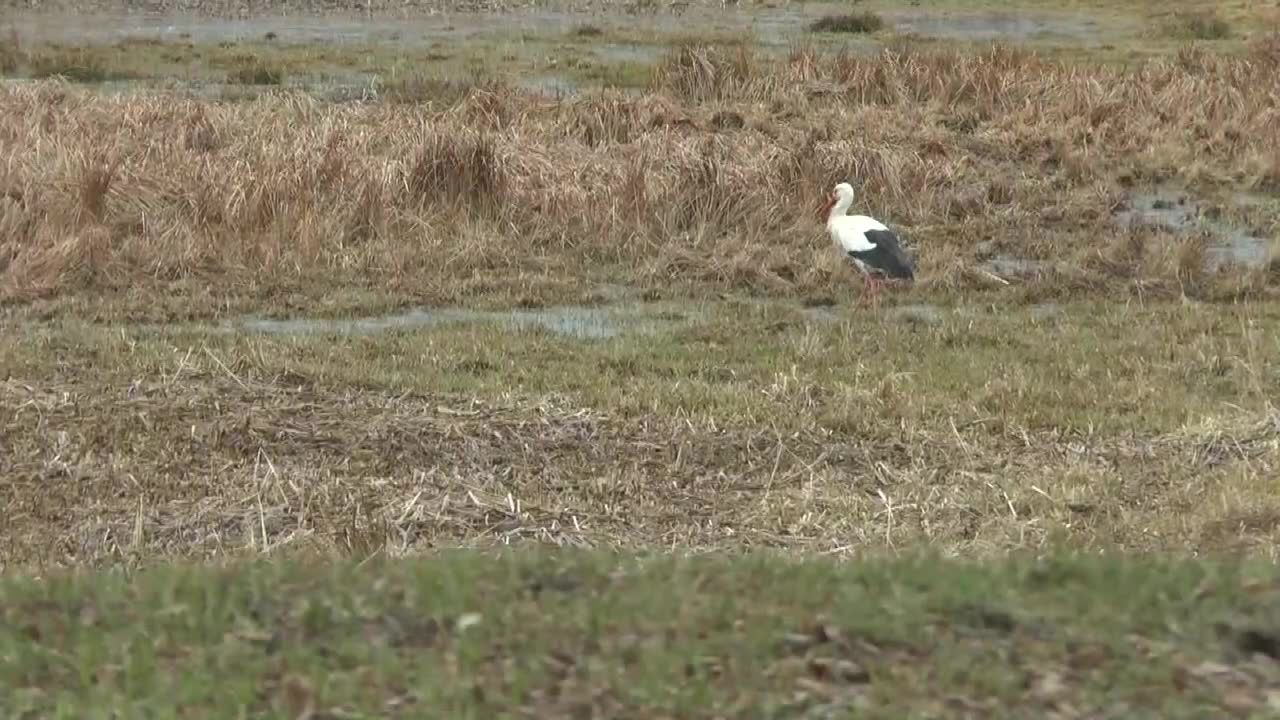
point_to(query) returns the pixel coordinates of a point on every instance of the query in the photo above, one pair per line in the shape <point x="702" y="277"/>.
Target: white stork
<point x="873" y="247"/>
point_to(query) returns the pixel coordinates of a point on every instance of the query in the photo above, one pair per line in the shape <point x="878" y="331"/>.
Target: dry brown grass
<point x="1095" y="426"/>
<point x="1265" y="48"/>
<point x="502" y="187"/>
<point x="210" y="462"/>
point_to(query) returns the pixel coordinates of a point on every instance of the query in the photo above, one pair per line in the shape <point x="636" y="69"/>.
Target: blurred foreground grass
<point x="573" y="634"/>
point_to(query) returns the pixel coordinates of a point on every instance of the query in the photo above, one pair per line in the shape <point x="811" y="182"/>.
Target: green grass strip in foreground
<point x="592" y="634"/>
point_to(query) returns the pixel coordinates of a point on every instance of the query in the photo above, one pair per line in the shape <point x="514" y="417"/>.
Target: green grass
<point x="1163" y="367"/>
<point x="554" y="634"/>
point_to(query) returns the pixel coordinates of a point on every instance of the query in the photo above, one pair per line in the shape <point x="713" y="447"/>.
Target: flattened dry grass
<point x="1139" y="430"/>
<point x="996" y="150"/>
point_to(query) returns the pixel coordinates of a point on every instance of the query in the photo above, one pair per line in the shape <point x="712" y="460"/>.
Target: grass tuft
<point x="422" y="87"/>
<point x="587" y="30"/>
<point x="464" y="170"/>
<point x="700" y="73"/>
<point x="96" y="176"/>
<point x="1198" y="25"/>
<point x="10" y="52"/>
<point x="256" y="71"/>
<point x="72" y="64"/>
<point x="860" y="22"/>
<point x="1265" y="49"/>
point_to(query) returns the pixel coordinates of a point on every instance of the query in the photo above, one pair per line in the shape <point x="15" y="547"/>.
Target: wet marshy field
<point x="187" y="202"/>
<point x="385" y="359"/>
<point x="610" y="207"/>
<point x="550" y="48"/>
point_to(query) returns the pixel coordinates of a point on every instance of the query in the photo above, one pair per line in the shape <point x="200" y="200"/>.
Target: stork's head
<point x="841" y="197"/>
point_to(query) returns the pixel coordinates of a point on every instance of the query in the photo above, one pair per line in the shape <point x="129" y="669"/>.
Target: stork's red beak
<point x="827" y="204"/>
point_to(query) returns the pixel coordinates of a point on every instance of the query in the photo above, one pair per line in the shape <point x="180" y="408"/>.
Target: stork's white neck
<point x="840" y="208"/>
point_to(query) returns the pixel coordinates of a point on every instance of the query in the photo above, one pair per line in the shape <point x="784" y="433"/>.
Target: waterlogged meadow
<point x="476" y="361"/>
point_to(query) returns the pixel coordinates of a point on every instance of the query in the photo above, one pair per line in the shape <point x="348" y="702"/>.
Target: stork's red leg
<point x="873" y="286"/>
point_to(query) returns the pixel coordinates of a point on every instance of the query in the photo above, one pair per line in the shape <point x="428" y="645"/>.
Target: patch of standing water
<point x="343" y="89"/>
<point x="1243" y="250"/>
<point x="1012" y="266"/>
<point x="820" y="314"/>
<point x="552" y="85"/>
<point x="994" y="25"/>
<point x="629" y="53"/>
<point x="929" y="314"/>
<point x="920" y="313"/>
<point x="924" y="314"/>
<point x="1047" y="311"/>
<point x="1174" y="211"/>
<point x="570" y="321"/>
<point x="1165" y="208"/>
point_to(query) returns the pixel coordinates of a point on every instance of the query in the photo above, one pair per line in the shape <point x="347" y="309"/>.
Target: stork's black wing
<point x="887" y="257"/>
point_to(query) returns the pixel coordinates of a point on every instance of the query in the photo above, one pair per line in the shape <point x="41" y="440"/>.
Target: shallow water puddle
<point x="1166" y="208"/>
<point x="571" y="321"/>
<point x="575" y="321"/>
<point x="1013" y="266"/>
<point x="1176" y="211"/>
<point x="925" y="313"/>
<point x="922" y="313"/>
<point x="995" y="25"/>
<point x="552" y="85"/>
